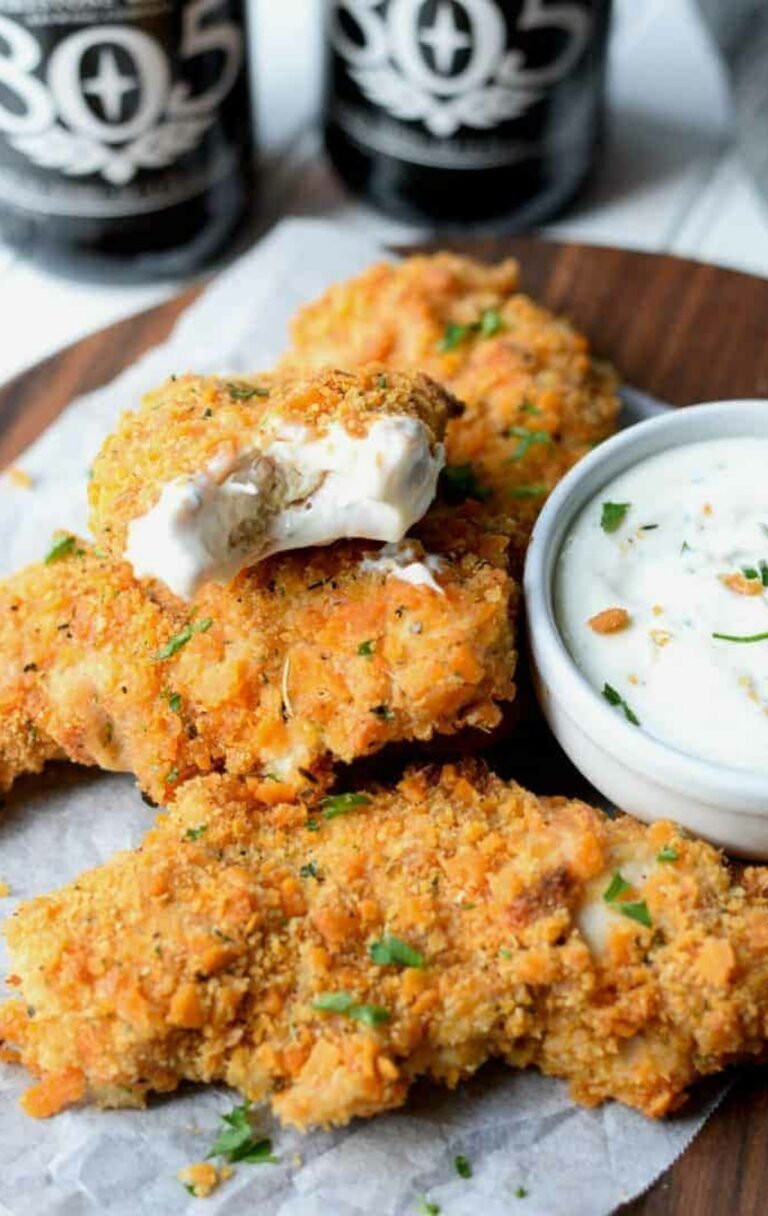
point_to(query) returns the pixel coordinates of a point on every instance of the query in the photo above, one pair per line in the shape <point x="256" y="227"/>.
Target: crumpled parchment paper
<point x="531" y="1150"/>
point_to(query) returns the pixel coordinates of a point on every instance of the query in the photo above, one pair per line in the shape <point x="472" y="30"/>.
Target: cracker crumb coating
<point x="203" y="955"/>
<point x="536" y="399"/>
<point x="306" y="659"/>
<point x="193" y="423"/>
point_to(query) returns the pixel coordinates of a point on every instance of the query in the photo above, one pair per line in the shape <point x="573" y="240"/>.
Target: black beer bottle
<point x="125" y="133"/>
<point x="466" y="112"/>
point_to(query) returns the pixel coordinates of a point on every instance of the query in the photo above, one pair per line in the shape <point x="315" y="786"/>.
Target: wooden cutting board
<point x="682" y="331"/>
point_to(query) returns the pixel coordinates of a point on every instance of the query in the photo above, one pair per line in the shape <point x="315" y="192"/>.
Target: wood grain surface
<point x="681" y="330"/>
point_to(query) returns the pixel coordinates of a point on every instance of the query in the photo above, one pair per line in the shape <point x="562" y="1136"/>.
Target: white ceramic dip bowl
<point x="638" y="772"/>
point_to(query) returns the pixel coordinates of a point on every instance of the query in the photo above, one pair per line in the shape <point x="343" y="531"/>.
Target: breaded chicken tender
<point x="305" y="659"/>
<point x="536" y="400"/>
<point x="211" y="475"/>
<point x="322" y="958"/>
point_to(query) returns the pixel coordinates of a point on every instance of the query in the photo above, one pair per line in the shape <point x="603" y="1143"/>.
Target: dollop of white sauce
<point x="697" y="515"/>
<point x="299" y="490"/>
<point x="401" y="562"/>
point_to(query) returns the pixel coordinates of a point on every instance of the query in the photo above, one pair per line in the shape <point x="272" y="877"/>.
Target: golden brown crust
<point x="201" y="956"/>
<point x="192" y="423"/>
<point x="536" y="400"/>
<point x="308" y="658"/>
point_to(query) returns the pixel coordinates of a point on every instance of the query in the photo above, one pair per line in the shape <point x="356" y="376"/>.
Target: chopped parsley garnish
<point x="309" y="870"/>
<point x="533" y="491"/>
<point x="393" y="951"/>
<point x="637" y="911"/>
<point x="382" y="381"/>
<point x="617" y="887"/>
<point x="490" y="324"/>
<point x="366" y="649"/>
<point x="668" y="853"/>
<point x="342" y="1002"/>
<point x="527" y="407"/>
<point x="521" y="1193"/>
<point x="237" y="1141"/>
<point x="526" y="438"/>
<point x="172" y="776"/>
<point x="313" y="825"/>
<point x="612" y="516"/>
<point x="383" y="712"/>
<point x="463" y="1167"/>
<point x="174" y="701"/>
<point x="246" y="392"/>
<point x="750" y="572"/>
<point x="760" y="571"/>
<point x="685" y="547"/>
<point x="453" y="336"/>
<point x="615" y="698"/>
<point x="764" y="573"/>
<point x="63" y="546"/>
<point x="342" y="804"/>
<point x="459" y="482"/>
<point x="195" y="833"/>
<point x="741" y="637"/>
<point x="648" y="527"/>
<point x="427" y="1208"/>
<point x="174" y="644"/>
<point x="634" y="910"/>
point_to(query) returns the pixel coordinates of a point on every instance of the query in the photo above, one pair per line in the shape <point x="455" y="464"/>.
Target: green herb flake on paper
<point x="393" y="951"/>
<point x="237" y="1142"/>
<point x="612" y="516"/>
<point x="463" y="1167"/>
<point x="366" y="649"/>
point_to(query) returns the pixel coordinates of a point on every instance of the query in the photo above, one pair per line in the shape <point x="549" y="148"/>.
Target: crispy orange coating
<point x="536" y="399"/>
<point x="194" y="423"/>
<point x="305" y="659"/>
<point x="209" y="953"/>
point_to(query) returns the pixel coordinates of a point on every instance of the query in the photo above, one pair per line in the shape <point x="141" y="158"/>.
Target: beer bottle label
<point x="458" y="84"/>
<point x="118" y="107"/>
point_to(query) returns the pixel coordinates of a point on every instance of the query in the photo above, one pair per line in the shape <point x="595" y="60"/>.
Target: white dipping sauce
<point x="300" y="490"/>
<point x="682" y="563"/>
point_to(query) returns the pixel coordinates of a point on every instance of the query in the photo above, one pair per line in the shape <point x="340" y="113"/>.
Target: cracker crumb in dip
<point x="661" y="597"/>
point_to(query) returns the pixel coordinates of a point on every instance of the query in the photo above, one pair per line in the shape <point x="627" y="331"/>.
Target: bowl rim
<point x="710" y="782"/>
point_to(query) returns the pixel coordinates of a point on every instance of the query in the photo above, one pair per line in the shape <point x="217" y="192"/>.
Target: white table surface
<point x="670" y="179"/>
